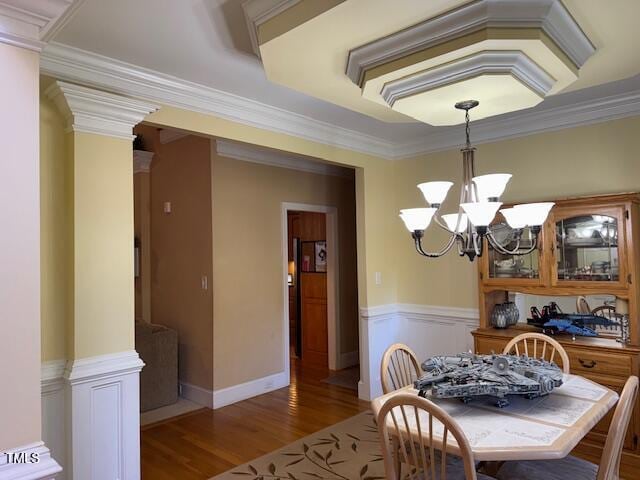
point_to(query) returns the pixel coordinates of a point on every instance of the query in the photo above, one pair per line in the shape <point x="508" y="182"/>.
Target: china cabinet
<point x="588" y="246"/>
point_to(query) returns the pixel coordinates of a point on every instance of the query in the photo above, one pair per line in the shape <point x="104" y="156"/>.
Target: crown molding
<point x="250" y="153"/>
<point x="75" y="65"/>
<point x="71" y="64"/>
<point x="31" y="24"/>
<point x="142" y="161"/>
<point x="548" y="15"/>
<point x="257" y="12"/>
<point x="521" y="124"/>
<point x="94" y="111"/>
<point x="168" y="135"/>
<point x="514" y="63"/>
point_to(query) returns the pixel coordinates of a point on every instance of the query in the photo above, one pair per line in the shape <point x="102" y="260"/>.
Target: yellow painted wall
<point x="594" y="159"/>
<point x="247" y="267"/>
<point x="103" y="246"/>
<point x="19" y="248"/>
<point x="55" y="220"/>
<point x="373" y="189"/>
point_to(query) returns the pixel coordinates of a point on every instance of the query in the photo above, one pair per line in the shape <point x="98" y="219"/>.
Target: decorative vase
<point x="499" y="316"/>
<point x="513" y="314"/>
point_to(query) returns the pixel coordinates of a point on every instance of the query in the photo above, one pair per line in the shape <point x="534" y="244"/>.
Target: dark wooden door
<point x="315" y="337"/>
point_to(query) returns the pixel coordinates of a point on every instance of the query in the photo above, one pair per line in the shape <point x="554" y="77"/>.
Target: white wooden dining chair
<point x="538" y="345"/>
<point x="406" y="425"/>
<point x="399" y="368"/>
<point x="572" y="467"/>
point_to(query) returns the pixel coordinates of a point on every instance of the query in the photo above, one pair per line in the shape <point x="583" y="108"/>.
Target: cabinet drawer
<point x="489" y="345"/>
<point x="603" y="363"/>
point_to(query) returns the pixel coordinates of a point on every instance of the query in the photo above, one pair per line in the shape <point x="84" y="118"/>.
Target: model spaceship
<point x="553" y="321"/>
<point x="466" y="376"/>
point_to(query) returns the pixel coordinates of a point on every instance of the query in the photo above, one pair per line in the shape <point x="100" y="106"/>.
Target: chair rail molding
<point x="428" y="329"/>
<point x="34" y="463"/>
<point x="103" y="422"/>
<point x="87" y="68"/>
<point x="94" y="111"/>
<point x="32" y="23"/>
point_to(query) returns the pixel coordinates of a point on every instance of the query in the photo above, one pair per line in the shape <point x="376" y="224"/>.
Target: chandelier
<point x="479" y="203"/>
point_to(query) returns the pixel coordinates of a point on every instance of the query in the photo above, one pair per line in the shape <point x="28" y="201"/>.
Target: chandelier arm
<point x="478" y="246"/>
<point x="421" y="251"/>
<point x="516" y="251"/>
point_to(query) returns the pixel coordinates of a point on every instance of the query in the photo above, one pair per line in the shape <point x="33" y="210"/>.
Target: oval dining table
<point x="542" y="428"/>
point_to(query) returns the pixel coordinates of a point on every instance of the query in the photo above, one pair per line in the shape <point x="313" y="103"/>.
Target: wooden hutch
<point x="572" y="260"/>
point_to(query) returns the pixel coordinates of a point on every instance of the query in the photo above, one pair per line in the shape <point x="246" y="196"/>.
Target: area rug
<point x="347" y="378"/>
<point x="349" y="450"/>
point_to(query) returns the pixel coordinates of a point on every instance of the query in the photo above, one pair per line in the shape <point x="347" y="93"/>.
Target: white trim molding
<point x="428" y="329"/>
<point x="514" y="63"/>
<point x="94" y="111"/>
<point x="548" y="15"/>
<point x="252" y="388"/>
<point x="257" y="12"/>
<point x="103" y="405"/>
<point x="264" y="156"/>
<point x="142" y="161"/>
<point x="31" y="23"/>
<point x="520" y="124"/>
<point x="53" y="395"/>
<point x="196" y="394"/>
<point x="35" y="463"/>
<point x="87" y="68"/>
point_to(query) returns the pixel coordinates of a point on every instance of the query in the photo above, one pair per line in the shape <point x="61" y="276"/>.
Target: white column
<point x="25" y="26"/>
<point x="102" y="372"/>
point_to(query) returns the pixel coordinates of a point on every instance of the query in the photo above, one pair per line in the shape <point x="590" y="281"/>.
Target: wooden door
<point x="315" y="337"/>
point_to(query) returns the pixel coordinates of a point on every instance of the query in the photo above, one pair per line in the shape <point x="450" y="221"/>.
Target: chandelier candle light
<point x="479" y="203"/>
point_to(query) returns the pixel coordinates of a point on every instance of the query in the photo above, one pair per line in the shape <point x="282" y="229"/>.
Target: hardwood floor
<point x="201" y="444"/>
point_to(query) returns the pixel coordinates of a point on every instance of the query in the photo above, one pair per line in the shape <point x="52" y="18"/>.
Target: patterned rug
<point x="349" y="450"/>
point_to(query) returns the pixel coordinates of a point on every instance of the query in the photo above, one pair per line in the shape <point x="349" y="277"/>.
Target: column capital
<point x="32" y="23"/>
<point x="142" y="161"/>
<point x="94" y="111"/>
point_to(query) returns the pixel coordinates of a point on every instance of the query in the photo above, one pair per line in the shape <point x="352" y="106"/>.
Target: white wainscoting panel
<point x="53" y="412"/>
<point x="103" y="408"/>
<point x="428" y="330"/>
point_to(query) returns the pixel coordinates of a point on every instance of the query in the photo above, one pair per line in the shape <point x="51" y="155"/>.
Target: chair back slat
<point x="399" y="368"/>
<point x="411" y="421"/>
<point x="549" y="346"/>
<point x="610" y="461"/>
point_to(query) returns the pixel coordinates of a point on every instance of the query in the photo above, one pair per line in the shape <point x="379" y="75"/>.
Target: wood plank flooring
<point x="204" y="443"/>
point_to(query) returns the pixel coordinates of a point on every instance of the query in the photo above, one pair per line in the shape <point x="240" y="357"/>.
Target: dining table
<point x="542" y="428"/>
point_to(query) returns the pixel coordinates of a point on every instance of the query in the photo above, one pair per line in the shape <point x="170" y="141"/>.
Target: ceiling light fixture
<point x="479" y="203"/>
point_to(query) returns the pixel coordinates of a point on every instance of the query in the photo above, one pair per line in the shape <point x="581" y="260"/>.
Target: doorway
<point x="311" y="296"/>
<point x="307" y="280"/>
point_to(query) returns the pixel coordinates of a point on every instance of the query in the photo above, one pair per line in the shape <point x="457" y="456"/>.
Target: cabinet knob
<point x="587" y="363"/>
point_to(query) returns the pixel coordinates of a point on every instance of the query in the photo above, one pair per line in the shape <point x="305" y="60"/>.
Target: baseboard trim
<point x="349" y="359"/>
<point x="44" y="468"/>
<point x="253" y="388"/>
<point x="196" y="394"/>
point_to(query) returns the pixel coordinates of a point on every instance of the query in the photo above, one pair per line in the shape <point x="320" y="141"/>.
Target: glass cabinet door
<point x="587" y="248"/>
<point x="521" y="267"/>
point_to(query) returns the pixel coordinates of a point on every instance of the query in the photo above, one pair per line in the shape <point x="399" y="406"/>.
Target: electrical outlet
<point x="378" y="278"/>
<point x="204" y="282"/>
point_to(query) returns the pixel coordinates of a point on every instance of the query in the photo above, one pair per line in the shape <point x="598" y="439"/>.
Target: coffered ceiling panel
<point x="404" y="60"/>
